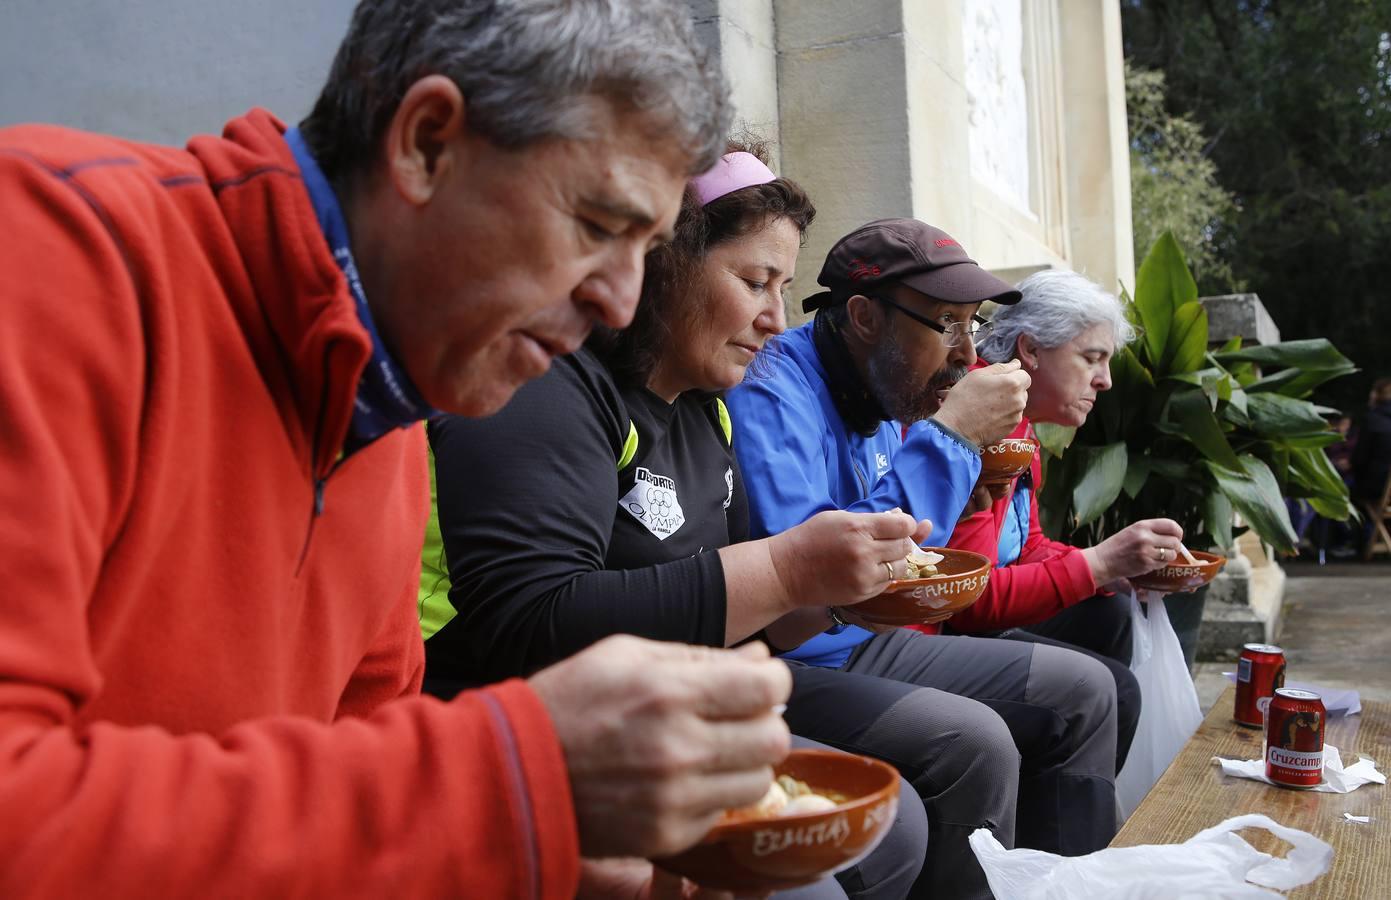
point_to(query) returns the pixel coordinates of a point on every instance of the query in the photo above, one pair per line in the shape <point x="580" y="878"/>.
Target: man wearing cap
<point x="966" y="719"/>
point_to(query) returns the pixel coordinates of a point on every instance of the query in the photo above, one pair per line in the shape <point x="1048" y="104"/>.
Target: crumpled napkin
<point x="1336" y="779"/>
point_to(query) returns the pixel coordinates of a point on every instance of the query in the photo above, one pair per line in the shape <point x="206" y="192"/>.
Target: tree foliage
<point x="1296" y="100"/>
<point x="1173" y="182"/>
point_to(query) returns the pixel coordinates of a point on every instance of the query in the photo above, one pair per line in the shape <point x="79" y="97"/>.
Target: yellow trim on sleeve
<point x="630" y="447"/>
<point x="726" y="425"/>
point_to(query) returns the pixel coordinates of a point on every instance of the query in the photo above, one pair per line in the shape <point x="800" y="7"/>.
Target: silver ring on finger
<point x="1162" y="553"/>
<point x="890" y="567"/>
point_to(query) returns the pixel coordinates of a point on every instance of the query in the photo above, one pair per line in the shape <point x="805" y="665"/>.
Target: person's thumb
<point x="752" y="650"/>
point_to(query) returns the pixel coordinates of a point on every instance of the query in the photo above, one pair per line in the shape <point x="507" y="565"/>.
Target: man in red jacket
<point x="213" y="364"/>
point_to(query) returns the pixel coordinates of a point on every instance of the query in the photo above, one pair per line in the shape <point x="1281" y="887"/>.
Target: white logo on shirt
<point x="729" y="487"/>
<point x="653" y="502"/>
<point x="881" y="464"/>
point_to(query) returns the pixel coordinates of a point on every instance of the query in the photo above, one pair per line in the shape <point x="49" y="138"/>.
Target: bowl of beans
<point x="951" y="581"/>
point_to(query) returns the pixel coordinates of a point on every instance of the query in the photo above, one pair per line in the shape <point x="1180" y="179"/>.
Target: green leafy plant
<point x="1192" y="434"/>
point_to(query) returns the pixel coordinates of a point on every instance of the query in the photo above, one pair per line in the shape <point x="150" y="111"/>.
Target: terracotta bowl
<point x="1179" y="576"/>
<point x="915" y="601"/>
<point x="1004" y="460"/>
<point x="783" y="852"/>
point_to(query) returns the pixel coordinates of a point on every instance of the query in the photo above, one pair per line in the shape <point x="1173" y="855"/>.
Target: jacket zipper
<point x="864" y="482"/>
<point x="320" y="480"/>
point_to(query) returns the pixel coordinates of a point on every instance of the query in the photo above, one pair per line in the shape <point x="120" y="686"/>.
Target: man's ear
<point x="865" y="319"/>
<point x="422" y="143"/>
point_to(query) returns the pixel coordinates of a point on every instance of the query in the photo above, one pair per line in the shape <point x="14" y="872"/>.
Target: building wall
<point x="876" y="102"/>
<point x="868" y="102"/>
<point x="162" y="70"/>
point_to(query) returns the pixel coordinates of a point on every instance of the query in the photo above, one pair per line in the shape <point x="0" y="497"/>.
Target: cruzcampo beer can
<point x="1294" y="738"/>
<point x="1259" y="671"/>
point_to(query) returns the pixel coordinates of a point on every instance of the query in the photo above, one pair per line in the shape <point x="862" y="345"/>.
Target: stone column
<point x="1098" y="166"/>
<point x="740" y="33"/>
<point x="850" y="81"/>
<point x="1248" y="595"/>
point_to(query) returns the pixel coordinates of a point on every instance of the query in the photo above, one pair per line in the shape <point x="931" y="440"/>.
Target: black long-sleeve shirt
<point x="551" y="547"/>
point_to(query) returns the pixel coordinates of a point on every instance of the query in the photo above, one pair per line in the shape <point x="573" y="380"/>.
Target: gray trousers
<point x="1012" y="736"/>
<point x="1099" y="627"/>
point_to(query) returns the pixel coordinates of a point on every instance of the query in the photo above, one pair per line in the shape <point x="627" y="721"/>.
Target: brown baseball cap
<point x="905" y="251"/>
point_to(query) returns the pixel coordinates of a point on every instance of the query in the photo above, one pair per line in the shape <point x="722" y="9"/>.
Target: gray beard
<point x="896" y="385"/>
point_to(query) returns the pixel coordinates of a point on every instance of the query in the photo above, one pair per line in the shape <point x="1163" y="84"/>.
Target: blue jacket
<point x="799" y="458"/>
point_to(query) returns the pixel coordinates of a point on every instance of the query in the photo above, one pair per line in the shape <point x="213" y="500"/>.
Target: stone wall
<point x="163" y="70"/>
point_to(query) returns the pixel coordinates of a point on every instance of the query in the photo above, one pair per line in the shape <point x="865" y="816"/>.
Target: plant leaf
<point x="1311" y="441"/>
<point x="1054" y="498"/>
<point x="1187" y="346"/>
<point x="1162" y="286"/>
<point x="1137" y="472"/>
<point x="1217" y="517"/>
<point x="1054" y="438"/>
<point x="1314" y="353"/>
<point x="1215" y="381"/>
<point x="1238" y="401"/>
<point x="1171" y="469"/>
<point x="1132" y="387"/>
<point x="1255" y="494"/>
<point x="1326" y="490"/>
<point x="1101" y="472"/>
<point x="1190" y="414"/>
<point x="1296" y="382"/>
<point x="1278" y="416"/>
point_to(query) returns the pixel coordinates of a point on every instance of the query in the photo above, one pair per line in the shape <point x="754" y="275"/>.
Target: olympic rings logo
<point x="659" y="501"/>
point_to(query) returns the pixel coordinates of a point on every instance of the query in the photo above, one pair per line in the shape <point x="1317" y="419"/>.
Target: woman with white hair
<point x="1064" y="331"/>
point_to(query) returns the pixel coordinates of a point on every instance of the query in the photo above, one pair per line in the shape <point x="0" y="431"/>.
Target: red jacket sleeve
<point x="1047" y="578"/>
<point x="420" y="799"/>
<point x="423" y="799"/>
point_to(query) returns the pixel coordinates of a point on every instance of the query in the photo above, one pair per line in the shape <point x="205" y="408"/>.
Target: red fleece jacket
<point x="206" y="687"/>
<point x="1047" y="577"/>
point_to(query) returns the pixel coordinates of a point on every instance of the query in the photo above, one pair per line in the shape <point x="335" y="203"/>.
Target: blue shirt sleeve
<point x="931" y="477"/>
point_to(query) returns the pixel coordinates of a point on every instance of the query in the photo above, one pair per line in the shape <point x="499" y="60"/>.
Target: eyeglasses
<point x="953" y="333"/>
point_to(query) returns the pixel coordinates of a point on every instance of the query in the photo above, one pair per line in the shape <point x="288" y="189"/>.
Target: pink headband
<point x="733" y="172"/>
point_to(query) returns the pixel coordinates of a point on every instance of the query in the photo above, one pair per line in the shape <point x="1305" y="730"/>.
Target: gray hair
<point x="1057" y="306"/>
<point x="529" y="70"/>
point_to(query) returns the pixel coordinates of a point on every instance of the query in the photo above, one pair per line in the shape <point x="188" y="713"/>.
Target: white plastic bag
<point x="1214" y="864"/>
<point x="1169" y="709"/>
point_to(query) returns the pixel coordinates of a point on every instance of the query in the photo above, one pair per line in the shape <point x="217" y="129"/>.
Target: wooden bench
<point x="1193" y="794"/>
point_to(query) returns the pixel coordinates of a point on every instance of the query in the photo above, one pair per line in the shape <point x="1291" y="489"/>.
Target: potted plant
<point x="1192" y="434"/>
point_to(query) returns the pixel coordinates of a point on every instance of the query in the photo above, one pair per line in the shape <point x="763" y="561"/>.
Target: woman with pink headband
<point x="606" y="498"/>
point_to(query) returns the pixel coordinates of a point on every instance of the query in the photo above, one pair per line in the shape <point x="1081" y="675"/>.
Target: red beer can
<point x="1259" y="671"/>
<point x="1294" y="738"/>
